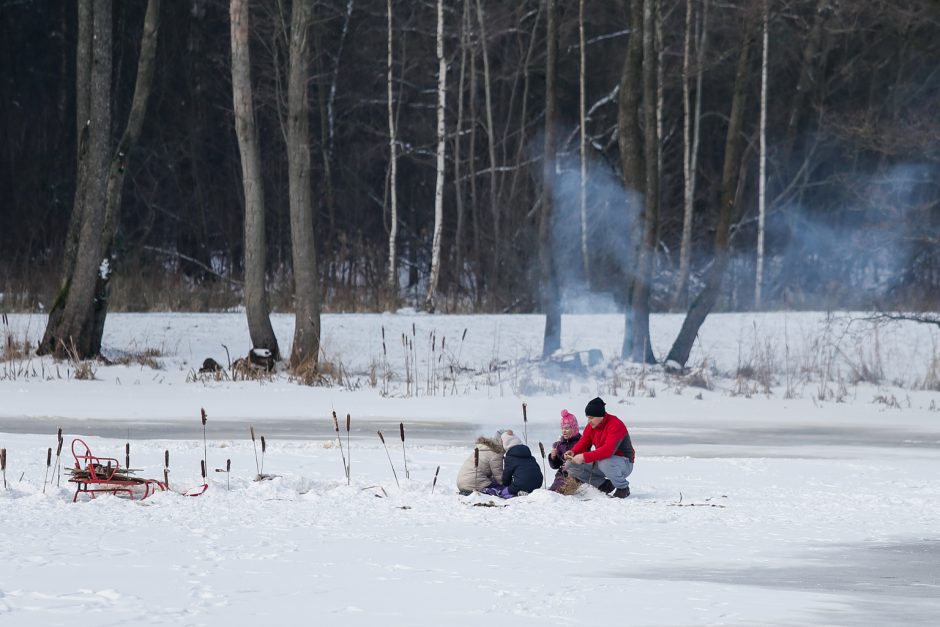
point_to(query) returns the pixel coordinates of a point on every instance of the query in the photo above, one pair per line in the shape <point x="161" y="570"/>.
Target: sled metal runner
<point x="95" y="475"/>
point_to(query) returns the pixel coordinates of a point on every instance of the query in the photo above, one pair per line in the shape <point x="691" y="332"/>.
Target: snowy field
<point x="799" y="486"/>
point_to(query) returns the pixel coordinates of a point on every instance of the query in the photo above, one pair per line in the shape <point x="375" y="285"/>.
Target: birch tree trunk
<point x="429" y="301"/>
<point x="69" y="328"/>
<point x="476" y="218"/>
<point x="548" y="292"/>
<point x="392" y="278"/>
<point x="762" y="176"/>
<point x="458" y="184"/>
<point x="731" y="169"/>
<point x="585" y="259"/>
<point x="305" y="349"/>
<point x="256" y="301"/>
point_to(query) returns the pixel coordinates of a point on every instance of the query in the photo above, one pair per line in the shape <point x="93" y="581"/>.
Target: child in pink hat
<point x="570" y="434"/>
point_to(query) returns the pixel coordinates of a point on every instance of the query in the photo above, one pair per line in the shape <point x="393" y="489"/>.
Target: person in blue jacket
<point x="521" y="473"/>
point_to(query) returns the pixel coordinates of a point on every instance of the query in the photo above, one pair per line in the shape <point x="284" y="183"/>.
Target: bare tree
<point x="690" y="137"/>
<point x="119" y="163"/>
<point x="703" y="303"/>
<point x="585" y="259"/>
<point x="631" y="154"/>
<point x="762" y="176"/>
<point x="458" y="183"/>
<point x="69" y="329"/>
<point x="491" y="146"/>
<point x="641" y="350"/>
<point x="429" y="303"/>
<point x="256" y="301"/>
<point x="88" y="342"/>
<point x="306" y="345"/>
<point x="548" y="287"/>
<point x="392" y="279"/>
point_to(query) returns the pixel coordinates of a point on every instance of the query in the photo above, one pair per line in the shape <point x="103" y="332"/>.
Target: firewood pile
<point x="103" y="472"/>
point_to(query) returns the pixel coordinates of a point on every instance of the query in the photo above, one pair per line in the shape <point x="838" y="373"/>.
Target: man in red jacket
<point x="611" y="462"/>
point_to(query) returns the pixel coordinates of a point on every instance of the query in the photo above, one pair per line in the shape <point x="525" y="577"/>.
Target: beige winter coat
<point x="489" y="470"/>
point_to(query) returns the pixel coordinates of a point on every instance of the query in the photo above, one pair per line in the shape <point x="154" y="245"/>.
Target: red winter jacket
<point x="608" y="439"/>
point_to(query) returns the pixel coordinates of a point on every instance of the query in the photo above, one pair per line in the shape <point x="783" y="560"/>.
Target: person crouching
<point x="570" y="434"/>
<point x="608" y="465"/>
<point x="521" y="473"/>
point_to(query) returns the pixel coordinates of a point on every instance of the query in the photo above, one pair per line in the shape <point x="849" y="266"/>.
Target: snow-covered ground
<point x="805" y="493"/>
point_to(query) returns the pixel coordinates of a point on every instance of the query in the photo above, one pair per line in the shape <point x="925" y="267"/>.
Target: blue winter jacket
<point x="520" y="470"/>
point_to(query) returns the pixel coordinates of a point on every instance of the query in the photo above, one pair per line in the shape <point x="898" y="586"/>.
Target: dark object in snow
<point x="210" y="365"/>
<point x="578" y="362"/>
<point x="261" y="358"/>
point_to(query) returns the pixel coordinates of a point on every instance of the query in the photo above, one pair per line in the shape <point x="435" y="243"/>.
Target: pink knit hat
<point x="569" y="420"/>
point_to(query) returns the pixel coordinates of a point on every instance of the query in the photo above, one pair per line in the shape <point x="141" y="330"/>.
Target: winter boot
<point x="607" y="487"/>
<point x="621" y="493"/>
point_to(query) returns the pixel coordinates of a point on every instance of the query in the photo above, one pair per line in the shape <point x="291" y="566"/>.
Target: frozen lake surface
<point x="819" y="507"/>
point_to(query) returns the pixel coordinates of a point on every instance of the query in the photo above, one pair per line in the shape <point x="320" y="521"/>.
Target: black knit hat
<point x="595" y="407"/>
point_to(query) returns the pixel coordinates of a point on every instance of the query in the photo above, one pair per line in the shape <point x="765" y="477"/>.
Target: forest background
<point x="572" y="156"/>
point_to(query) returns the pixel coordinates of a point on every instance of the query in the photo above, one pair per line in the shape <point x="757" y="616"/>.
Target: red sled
<point x="104" y="475"/>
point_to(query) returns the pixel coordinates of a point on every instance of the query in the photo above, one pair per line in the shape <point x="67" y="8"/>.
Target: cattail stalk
<point x="542" y="450"/>
<point x="401" y="429"/>
<point x="48" y="463"/>
<point x="348" y="450"/>
<point x="57" y="471"/>
<point x="525" y="424"/>
<point x="254" y="446"/>
<point x="205" y="455"/>
<point x="264" y="448"/>
<point x="395" y="474"/>
<point x="434" y="483"/>
<point x="341" y="452"/>
<point x="476" y="465"/>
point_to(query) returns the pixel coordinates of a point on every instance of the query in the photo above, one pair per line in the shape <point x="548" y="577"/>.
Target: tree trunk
<point x="702" y="305"/>
<point x="306" y="345"/>
<point x="429" y="301"/>
<point x="762" y="176"/>
<point x="392" y="277"/>
<point x="83" y="67"/>
<point x="631" y="157"/>
<point x="121" y="155"/>
<point x="476" y="219"/>
<point x="491" y="146"/>
<point x="810" y="47"/>
<point x="256" y="300"/>
<point x="585" y="259"/>
<point x="690" y="149"/>
<point x="68" y="331"/>
<point x="331" y="124"/>
<point x="641" y="350"/>
<point x="458" y="184"/>
<point x="548" y="291"/>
